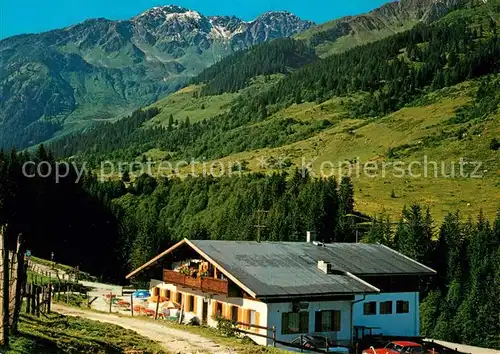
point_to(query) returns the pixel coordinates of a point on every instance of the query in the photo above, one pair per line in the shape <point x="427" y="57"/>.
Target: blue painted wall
<point x="395" y="324"/>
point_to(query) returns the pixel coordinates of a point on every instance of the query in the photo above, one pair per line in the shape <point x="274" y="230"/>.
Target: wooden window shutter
<point x="228" y="311"/>
<point x="245" y="317"/>
<point x="336" y="321"/>
<point x="240" y="314"/>
<point x="185" y="303"/>
<point x="214" y="309"/>
<point x="304" y="321"/>
<point x="318" y="327"/>
<point x="195" y="304"/>
<point x="224" y="310"/>
<point x="257" y="321"/>
<point x="284" y="323"/>
<point x="156" y="291"/>
<point x="249" y="317"/>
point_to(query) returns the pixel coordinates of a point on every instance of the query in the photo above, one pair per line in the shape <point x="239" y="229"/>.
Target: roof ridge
<point x="362" y="281"/>
<point x="408" y="258"/>
<point x="153" y="260"/>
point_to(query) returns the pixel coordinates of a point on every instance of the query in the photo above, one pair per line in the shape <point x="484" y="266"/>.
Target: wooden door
<point x="204" y="313"/>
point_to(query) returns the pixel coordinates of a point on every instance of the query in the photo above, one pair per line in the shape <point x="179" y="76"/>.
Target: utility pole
<point x="5" y="293"/>
<point x="259" y="226"/>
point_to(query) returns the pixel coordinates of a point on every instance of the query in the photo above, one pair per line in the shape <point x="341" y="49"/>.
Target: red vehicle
<point x="398" y="347"/>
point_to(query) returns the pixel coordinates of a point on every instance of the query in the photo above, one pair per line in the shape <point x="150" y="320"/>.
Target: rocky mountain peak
<point x="127" y="64"/>
<point x="168" y="13"/>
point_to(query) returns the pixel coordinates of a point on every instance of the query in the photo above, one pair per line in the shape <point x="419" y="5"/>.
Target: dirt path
<point x="173" y="340"/>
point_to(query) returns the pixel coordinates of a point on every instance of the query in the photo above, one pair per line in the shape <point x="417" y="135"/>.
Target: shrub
<point x="225" y="326"/>
<point x="494" y="144"/>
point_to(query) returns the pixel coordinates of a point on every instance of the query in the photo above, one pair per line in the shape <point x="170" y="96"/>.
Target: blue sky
<point x="28" y="16"/>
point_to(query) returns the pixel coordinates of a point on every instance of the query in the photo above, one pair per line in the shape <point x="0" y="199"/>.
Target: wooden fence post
<point x="132" y="304"/>
<point x="5" y="293"/>
<point x="33" y="303"/>
<point x="28" y="297"/>
<point x="49" y="298"/>
<point x="43" y="299"/>
<point x="274" y="336"/>
<point x="157" y="307"/>
<point x="37" y="300"/>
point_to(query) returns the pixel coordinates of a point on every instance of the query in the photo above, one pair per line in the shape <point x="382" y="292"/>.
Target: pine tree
<point x="126" y="176"/>
<point x="414" y="234"/>
<point x="379" y="232"/>
<point x="346" y="228"/>
<point x="346" y="195"/>
<point x="298" y="97"/>
<point x="170" y="122"/>
<point x="429" y="313"/>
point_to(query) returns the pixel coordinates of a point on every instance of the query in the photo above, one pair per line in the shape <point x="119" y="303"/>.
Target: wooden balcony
<point x="207" y="285"/>
<point x="191" y="282"/>
<point x="211" y="285"/>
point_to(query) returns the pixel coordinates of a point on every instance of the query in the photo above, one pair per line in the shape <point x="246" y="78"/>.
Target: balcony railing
<point x="208" y="285"/>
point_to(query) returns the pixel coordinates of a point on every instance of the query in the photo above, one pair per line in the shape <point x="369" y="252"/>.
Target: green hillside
<point x="190" y="102"/>
<point x="186" y="103"/>
<point x="425" y="128"/>
<point x="395" y="141"/>
<point x="429" y="91"/>
<point x="394" y="17"/>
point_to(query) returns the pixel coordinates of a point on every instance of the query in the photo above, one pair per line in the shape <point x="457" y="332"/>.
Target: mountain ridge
<point x="390" y="18"/>
<point x="62" y="80"/>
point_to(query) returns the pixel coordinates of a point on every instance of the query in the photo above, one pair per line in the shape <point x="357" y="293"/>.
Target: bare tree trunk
<point x="4" y="339"/>
<point x="20" y="282"/>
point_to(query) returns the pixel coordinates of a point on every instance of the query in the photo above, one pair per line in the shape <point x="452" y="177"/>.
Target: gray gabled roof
<point x="277" y="269"/>
<point x="290" y="268"/>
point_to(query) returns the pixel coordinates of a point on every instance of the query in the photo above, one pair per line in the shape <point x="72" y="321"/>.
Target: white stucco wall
<point x="395" y="324"/>
<point x="257" y="306"/>
<point x="275" y="311"/>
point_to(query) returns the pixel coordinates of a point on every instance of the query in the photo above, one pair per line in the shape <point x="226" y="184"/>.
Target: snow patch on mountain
<point x="185" y="15"/>
<point x="220" y="32"/>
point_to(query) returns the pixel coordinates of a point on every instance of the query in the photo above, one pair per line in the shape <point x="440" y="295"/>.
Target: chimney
<point x="325" y="267"/>
<point x="309" y="237"/>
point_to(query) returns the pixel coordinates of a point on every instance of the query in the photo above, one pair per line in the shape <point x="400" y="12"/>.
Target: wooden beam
<point x="155" y="259"/>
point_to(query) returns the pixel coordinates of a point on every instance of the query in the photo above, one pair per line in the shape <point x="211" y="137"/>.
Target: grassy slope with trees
<point x="408" y="95"/>
<point x="138" y="222"/>
<point x="433" y="89"/>
<point x="58" y="334"/>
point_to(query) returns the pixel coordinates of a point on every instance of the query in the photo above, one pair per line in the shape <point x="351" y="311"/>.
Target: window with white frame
<point x="327" y="321"/>
<point x="294" y="322"/>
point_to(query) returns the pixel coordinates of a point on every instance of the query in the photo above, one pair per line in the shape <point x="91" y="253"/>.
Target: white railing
<point x="464" y="348"/>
